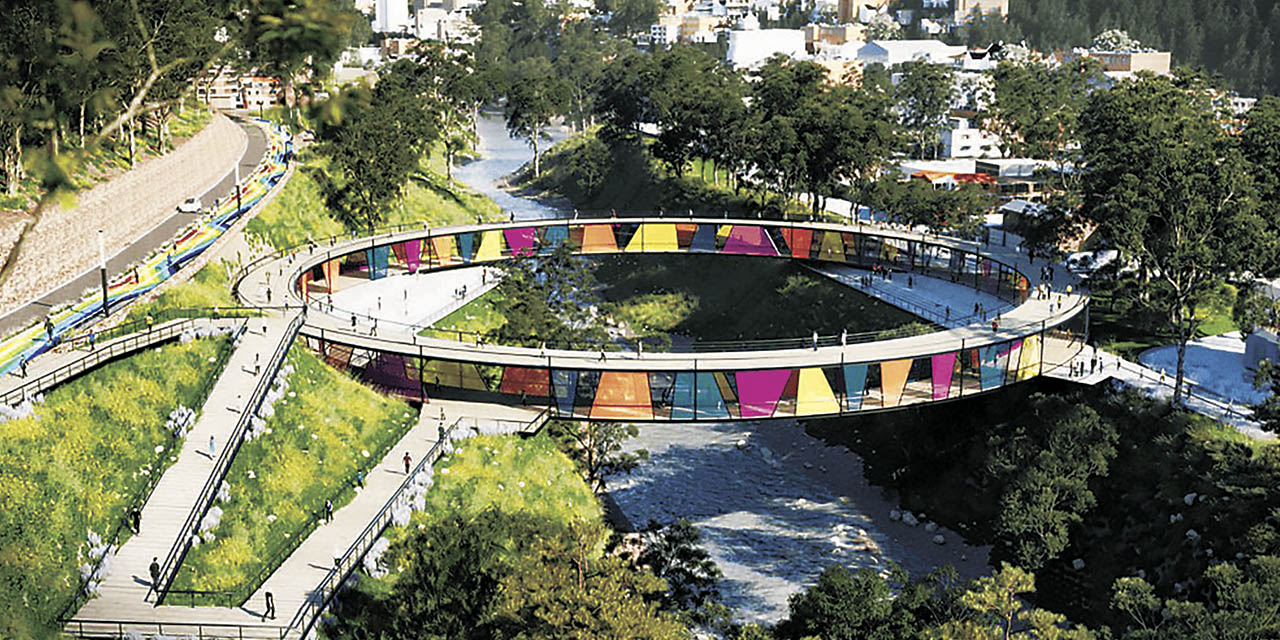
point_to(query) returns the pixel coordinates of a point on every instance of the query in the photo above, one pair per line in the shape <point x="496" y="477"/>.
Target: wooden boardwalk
<point x="125" y="604"/>
<point x="126" y="593"/>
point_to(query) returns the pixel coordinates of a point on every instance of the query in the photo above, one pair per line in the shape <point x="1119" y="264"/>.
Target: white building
<point x="664" y="34"/>
<point x="750" y="48"/>
<point x="392" y="16"/>
<point x="965" y="141"/>
<point x="894" y="52"/>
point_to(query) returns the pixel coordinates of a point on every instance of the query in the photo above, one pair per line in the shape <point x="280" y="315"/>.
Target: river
<point x="775" y="505"/>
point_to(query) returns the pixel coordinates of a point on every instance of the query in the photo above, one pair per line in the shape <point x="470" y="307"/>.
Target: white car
<point x="190" y="205"/>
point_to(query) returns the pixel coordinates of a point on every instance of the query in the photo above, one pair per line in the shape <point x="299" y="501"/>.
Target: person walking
<point x="48" y="329"/>
<point x="844" y="337"/>
<point x="213" y="447"/>
<point x="24" y="366"/>
<point x="154" y="570"/>
<point x="360" y="479"/>
<point x="328" y="511"/>
<point x="271" y="607"/>
<point x="407" y="460"/>
<point x="815" y="340"/>
<point x="135" y="519"/>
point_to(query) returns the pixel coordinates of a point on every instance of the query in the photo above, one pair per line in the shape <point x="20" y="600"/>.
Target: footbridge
<point x="1030" y="335"/>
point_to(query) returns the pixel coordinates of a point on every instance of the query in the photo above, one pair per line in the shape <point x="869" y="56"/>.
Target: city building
<point x="392" y="16"/>
<point x="821" y="36"/>
<point x="859" y="10"/>
<point x="894" y="52"/>
<point x="231" y="91"/>
<point x="748" y="48"/>
<point x="1122" y="64"/>
<point x="965" y="141"/>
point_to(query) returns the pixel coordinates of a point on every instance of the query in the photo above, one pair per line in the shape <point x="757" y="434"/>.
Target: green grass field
<point x="77" y="464"/>
<point x="326" y="428"/>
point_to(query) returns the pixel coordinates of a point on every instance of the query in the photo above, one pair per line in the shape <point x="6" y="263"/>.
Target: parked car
<point x="190" y="205"/>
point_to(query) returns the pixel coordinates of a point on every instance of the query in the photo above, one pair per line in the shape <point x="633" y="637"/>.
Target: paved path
<point x="1157" y="384"/>
<point x="412" y="301"/>
<point x="143" y="246"/>
<point x="126" y="593"/>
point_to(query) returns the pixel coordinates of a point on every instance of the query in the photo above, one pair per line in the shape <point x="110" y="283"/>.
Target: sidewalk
<point x="125" y="594"/>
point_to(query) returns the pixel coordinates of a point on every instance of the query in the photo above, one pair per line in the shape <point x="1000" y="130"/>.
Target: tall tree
<point x="924" y="99"/>
<point x="1001" y="613"/>
<point x="1169" y="189"/>
<point x="535" y="96"/>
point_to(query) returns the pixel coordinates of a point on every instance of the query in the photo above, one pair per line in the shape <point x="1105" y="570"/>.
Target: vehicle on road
<point x="190" y="205"/>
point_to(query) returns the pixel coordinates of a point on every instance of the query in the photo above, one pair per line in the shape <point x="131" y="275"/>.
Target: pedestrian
<point x="268" y="295"/>
<point x="154" y="569"/>
<point x="911" y="282"/>
<point x="815" y="340"/>
<point x="948" y="313"/>
<point x="995" y="325"/>
<point x="379" y="303"/>
<point x="328" y="511"/>
<point x="602" y="355"/>
<point x="93" y="339"/>
<point x="407" y="460"/>
<point x="150" y="321"/>
<point x="271" y="607"/>
<point x="48" y="329"/>
<point x="135" y="519"/>
<point x="441" y="412"/>
<point x="24" y="366"/>
<point x="844" y="337"/>
<point x="353" y="321"/>
<point x="360" y="479"/>
<point x="213" y="447"/>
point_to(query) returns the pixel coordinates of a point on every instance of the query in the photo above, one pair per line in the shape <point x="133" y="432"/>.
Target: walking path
<point x="126" y="592"/>
<point x="125" y="603"/>
<point x="413" y="300"/>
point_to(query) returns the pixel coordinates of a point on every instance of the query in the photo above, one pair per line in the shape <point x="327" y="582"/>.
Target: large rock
<point x="909" y="519"/>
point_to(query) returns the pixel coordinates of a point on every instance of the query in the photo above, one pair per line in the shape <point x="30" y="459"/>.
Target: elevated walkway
<point x="127" y="593"/>
<point x="303" y="585"/>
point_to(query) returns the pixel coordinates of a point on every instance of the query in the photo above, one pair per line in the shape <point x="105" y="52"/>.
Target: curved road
<point x="144" y="246"/>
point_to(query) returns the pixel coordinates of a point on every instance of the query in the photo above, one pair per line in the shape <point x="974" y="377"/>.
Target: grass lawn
<point x="77" y="464"/>
<point x="312" y="447"/>
<point x="482" y="315"/>
<point x="299" y="211"/>
<point x="1129" y="332"/>
<point x="713" y="297"/>
<point x="209" y="287"/>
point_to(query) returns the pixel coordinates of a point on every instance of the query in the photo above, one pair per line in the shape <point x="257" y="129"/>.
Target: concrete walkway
<point x="126" y="593"/>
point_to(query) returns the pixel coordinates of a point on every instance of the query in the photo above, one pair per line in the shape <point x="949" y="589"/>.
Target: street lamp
<point x="102" y="271"/>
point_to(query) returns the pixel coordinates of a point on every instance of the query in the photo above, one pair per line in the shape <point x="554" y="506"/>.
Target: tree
<point x="1167" y="187"/>
<point x="1001" y="614"/>
<point x="916" y="202"/>
<point x="375" y="146"/>
<point x="1242" y="603"/>
<point x="1035" y="108"/>
<point x="548" y="299"/>
<point x="883" y="27"/>
<point x="924" y="98"/>
<point x="535" y="96"/>
<point x="865" y="604"/>
<point x="1115" y="40"/>
<point x="596" y="447"/>
<point x="1046" y="464"/>
<point x="673" y="554"/>
<point x="1260" y="144"/>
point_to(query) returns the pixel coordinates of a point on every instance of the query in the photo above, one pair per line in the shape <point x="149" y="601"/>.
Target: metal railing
<point x="322" y="596"/>
<point x="144" y="494"/>
<point x="202" y="630"/>
<point x="205" y="499"/>
<point x="98" y="354"/>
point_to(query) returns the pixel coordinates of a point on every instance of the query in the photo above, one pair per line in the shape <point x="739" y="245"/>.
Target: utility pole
<point x="102" y="270"/>
<point x="237" y="187"/>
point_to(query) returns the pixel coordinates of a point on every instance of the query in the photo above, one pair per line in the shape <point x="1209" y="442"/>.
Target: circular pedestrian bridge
<point x="722" y="381"/>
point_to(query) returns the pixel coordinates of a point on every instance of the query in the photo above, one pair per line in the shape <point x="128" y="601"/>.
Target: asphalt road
<point x="161" y="233"/>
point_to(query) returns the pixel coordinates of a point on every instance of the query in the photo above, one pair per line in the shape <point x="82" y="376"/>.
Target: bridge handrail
<point x="322" y="596"/>
<point x="97" y="354"/>
<point x="140" y="499"/>
<point x="205" y="499"/>
<point x="121" y="629"/>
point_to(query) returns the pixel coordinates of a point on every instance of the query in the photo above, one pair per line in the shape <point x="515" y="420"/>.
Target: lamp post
<point x="237" y="187"/>
<point x="102" y="271"/>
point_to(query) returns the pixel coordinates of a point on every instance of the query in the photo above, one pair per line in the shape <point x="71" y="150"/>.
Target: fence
<point x="124" y="629"/>
<point x="183" y="542"/>
<point x="323" y="595"/>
